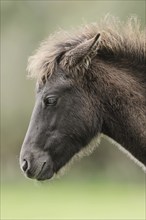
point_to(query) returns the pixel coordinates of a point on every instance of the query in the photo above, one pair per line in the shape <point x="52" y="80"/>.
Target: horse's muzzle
<point x="37" y="165"/>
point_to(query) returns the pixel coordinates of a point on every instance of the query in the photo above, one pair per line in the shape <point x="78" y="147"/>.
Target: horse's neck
<point x="124" y="101"/>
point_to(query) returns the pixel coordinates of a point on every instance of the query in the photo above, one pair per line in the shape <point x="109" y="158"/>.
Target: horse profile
<point x="89" y="83"/>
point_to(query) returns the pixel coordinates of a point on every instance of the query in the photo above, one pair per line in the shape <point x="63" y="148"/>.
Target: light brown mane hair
<point x="118" y="41"/>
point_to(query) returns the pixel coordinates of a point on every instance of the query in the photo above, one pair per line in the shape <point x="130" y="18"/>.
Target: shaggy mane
<point x="118" y="41"/>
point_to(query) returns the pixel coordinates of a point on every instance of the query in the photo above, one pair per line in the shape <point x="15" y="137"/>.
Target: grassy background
<point x="75" y="199"/>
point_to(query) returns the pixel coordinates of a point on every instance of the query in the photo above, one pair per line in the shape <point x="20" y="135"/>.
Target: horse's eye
<point x="50" y="100"/>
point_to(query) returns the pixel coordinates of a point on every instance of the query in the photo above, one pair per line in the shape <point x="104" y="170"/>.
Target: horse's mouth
<point x="40" y="173"/>
<point x="45" y="173"/>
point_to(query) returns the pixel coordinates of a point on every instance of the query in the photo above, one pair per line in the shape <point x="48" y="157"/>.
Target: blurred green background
<point x="106" y="185"/>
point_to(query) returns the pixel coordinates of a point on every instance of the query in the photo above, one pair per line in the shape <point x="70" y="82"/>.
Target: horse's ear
<point x="81" y="55"/>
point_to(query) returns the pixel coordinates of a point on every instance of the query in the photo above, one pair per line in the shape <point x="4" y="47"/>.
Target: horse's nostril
<point x="24" y="165"/>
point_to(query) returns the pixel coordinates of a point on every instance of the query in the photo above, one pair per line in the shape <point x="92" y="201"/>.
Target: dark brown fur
<point x="104" y="66"/>
<point x="117" y="74"/>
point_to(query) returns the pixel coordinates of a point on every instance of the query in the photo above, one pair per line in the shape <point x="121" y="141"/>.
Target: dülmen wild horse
<point x="90" y="82"/>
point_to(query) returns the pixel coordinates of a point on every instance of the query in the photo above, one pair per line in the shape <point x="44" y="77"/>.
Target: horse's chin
<point x="43" y="178"/>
